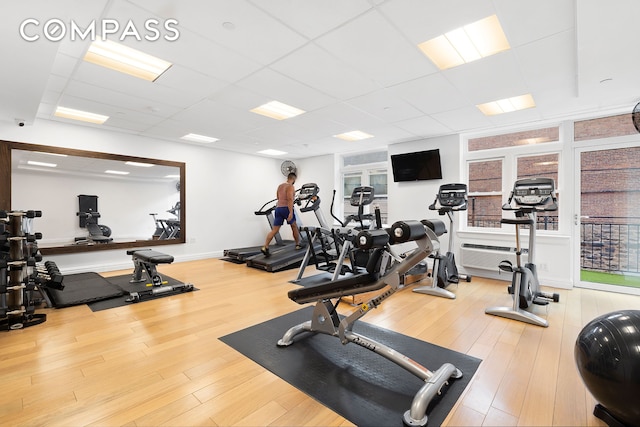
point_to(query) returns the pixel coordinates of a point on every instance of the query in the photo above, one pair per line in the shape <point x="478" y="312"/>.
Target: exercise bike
<point x="451" y="198"/>
<point x="531" y="195"/>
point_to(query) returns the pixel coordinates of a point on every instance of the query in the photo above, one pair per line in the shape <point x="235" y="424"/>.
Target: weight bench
<point x="146" y="260"/>
<point x="326" y="320"/>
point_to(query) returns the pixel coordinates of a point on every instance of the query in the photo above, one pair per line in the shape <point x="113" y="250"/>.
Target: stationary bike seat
<point x="517" y="221"/>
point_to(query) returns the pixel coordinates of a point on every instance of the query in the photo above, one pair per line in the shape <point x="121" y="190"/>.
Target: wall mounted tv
<point x="418" y="166"/>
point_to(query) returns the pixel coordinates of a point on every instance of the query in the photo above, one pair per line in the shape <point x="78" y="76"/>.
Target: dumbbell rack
<point x="22" y="280"/>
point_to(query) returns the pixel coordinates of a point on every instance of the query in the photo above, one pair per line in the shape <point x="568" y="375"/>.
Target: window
<point x="494" y="163"/>
<point x="365" y="169"/>
<point x="485" y="194"/>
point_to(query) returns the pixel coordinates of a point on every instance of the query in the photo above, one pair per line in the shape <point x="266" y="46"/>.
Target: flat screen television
<point x="418" y="166"/>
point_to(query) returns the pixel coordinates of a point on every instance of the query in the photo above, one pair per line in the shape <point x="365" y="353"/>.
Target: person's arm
<point x="290" y="193"/>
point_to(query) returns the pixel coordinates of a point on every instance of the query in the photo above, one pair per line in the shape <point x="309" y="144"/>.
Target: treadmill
<point x="240" y="255"/>
<point x="288" y="256"/>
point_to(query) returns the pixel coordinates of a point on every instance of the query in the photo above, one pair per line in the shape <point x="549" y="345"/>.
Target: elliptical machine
<point x="451" y="198"/>
<point x="531" y="195"/>
<point x="336" y="245"/>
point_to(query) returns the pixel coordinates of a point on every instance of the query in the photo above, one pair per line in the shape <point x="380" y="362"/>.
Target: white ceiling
<point x="352" y="65"/>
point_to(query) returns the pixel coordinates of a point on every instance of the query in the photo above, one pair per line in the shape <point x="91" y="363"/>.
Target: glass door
<point x="608" y="217"/>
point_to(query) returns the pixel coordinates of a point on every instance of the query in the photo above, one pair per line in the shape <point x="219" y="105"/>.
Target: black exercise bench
<point x="326" y="320"/>
<point x="146" y="260"/>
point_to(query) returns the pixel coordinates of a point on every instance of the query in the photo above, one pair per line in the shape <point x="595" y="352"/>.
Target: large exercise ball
<point x="607" y="353"/>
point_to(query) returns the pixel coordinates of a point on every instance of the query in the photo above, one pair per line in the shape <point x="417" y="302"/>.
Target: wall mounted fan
<point x="635" y="116"/>
<point x="288" y="167"/>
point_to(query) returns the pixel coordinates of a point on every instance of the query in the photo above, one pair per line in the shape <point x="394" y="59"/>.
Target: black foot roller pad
<point x="83" y="288"/>
<point x="361" y="386"/>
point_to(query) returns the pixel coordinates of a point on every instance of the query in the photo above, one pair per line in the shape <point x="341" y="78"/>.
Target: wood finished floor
<point x="161" y="363"/>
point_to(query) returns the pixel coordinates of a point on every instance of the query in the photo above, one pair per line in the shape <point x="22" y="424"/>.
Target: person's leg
<point x="296" y="233"/>
<point x="270" y="236"/>
<point x="280" y="215"/>
<point x="294" y="229"/>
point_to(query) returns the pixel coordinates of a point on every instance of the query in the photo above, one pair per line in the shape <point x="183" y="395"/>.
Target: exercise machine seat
<point x="150" y="256"/>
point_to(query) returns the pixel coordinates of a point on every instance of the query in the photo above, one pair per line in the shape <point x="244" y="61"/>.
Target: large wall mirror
<point x="140" y="201"/>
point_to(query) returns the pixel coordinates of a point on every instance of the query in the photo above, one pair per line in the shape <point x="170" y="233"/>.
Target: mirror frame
<point x="6" y="148"/>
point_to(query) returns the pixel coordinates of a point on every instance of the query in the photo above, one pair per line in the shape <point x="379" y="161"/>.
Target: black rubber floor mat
<point x="122" y="283"/>
<point x="83" y="288"/>
<point x="360" y="385"/>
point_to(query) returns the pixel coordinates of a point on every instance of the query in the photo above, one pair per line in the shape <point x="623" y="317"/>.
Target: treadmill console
<point x="308" y="191"/>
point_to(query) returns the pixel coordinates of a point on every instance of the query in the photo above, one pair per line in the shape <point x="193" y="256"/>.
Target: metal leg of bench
<point x="137" y="271"/>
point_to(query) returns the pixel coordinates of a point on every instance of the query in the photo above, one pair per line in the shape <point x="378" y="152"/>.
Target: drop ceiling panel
<point x="216" y="116"/>
<point x="525" y="22"/>
<point x="349" y="116"/>
<point x="277" y="86"/>
<point x="549" y="63"/>
<point x="606" y="49"/>
<point x="95" y="75"/>
<point x="422" y="20"/>
<point x="467" y="118"/>
<point x="207" y="57"/>
<point x="386" y="105"/>
<point x="250" y="27"/>
<point x="431" y="94"/>
<point x="489" y="79"/>
<point x="145" y="118"/>
<point x="317" y="124"/>
<point x="186" y="80"/>
<point x="516" y="117"/>
<point x="278" y="134"/>
<point x="424" y="126"/>
<point x="313" y="19"/>
<point x="373" y="46"/>
<point x="315" y="67"/>
<point x="388" y="134"/>
<point x="238" y="97"/>
<point x="116" y="100"/>
<point x="25" y="66"/>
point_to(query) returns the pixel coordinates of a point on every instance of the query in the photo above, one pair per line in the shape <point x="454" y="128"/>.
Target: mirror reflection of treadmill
<point x="288" y="256"/>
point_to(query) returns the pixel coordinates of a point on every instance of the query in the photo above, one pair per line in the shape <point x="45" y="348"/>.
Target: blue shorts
<point x="281" y="214"/>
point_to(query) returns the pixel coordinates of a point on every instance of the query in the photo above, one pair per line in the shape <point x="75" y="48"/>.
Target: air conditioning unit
<point x="487" y="257"/>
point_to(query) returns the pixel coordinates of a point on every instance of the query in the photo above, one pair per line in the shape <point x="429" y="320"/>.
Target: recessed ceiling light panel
<point x="507" y="105"/>
<point x="84" y="116"/>
<point x="355" y="135"/>
<point x="271" y="152"/>
<point x="119" y="57"/>
<point x="199" y="138"/>
<point x="466" y="44"/>
<point x="277" y="110"/>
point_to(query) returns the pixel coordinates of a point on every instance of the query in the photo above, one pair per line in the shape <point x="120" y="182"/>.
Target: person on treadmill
<point x="284" y="211"/>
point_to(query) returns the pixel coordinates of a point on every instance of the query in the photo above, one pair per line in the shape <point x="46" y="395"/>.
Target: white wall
<point x="411" y="200"/>
<point x="223" y="189"/>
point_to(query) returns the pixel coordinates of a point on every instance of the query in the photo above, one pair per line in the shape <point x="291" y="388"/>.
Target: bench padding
<point x="151" y="257"/>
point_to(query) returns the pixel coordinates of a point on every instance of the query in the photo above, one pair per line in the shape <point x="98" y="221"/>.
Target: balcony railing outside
<point x="608" y="245"/>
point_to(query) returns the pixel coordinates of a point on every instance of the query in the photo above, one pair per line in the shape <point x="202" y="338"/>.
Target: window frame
<point x="509" y="157"/>
<point x="364" y="170"/>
